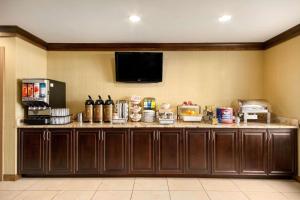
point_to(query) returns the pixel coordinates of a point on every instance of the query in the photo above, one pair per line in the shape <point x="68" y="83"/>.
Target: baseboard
<point x="11" y="177"/>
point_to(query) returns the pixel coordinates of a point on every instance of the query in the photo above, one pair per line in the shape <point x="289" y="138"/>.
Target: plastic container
<point x="98" y="110"/>
<point x="88" y="112"/>
<point x="225" y="115"/>
<point x="108" y="110"/>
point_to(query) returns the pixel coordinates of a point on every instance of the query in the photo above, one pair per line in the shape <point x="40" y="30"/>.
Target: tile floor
<point x="149" y="189"/>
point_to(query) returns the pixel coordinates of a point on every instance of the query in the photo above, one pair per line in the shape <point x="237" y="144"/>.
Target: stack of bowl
<point x="149" y="116"/>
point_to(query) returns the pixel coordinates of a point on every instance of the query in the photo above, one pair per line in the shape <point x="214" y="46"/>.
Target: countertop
<point x="178" y="124"/>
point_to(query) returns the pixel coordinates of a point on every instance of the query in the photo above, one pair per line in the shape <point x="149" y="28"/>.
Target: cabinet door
<point x="115" y="151"/>
<point x="170" y="151"/>
<point x="87" y="151"/>
<point x="225" y="151"/>
<point x="253" y="148"/>
<point x="282" y="147"/>
<point x="60" y="152"/>
<point x="142" y="160"/>
<point x="31" y="156"/>
<point x="197" y="151"/>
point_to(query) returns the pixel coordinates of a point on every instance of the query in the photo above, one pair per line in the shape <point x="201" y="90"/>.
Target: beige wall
<point x="9" y="136"/>
<point x="282" y="79"/>
<point x="31" y="62"/>
<point x="23" y="60"/>
<point x="205" y="77"/>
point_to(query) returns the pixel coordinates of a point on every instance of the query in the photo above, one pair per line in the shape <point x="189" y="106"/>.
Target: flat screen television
<point x="139" y="67"/>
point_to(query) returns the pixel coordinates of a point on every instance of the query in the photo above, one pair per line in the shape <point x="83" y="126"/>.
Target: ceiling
<point x="162" y="21"/>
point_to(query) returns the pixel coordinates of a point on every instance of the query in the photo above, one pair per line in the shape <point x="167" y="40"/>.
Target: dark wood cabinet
<point x="225" y="152"/>
<point x="282" y="151"/>
<point x="60" y="152"/>
<point x="169" y="151"/>
<point x="253" y="150"/>
<point x="87" y="151"/>
<point x="115" y="151"/>
<point x="32" y="151"/>
<point x="157" y="151"/>
<point x="197" y="157"/>
<point x="142" y="151"/>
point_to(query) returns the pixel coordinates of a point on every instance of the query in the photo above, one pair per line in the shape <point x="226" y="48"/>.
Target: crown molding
<point x="282" y="37"/>
<point x="15" y="31"/>
<point x="154" y="46"/>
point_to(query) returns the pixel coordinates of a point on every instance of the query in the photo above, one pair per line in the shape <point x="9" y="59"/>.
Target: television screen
<point x="139" y="66"/>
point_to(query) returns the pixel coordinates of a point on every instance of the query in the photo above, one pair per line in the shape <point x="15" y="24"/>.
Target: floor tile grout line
<point x="21" y="191"/>
<point x="57" y="192"/>
<point x="132" y="188"/>
<point x="168" y="188"/>
<point x="282" y="193"/>
<point x="274" y="188"/>
<point x="206" y="192"/>
<point x="243" y="192"/>
<point x="93" y="194"/>
<point x="97" y="189"/>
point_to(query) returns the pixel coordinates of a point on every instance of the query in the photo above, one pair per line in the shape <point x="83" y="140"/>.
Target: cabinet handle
<point x="102" y="134"/>
<point x="99" y="136"/>
<point x="157" y="136"/>
<point x="44" y="135"/>
<point x="48" y="135"/>
<point x="208" y="136"/>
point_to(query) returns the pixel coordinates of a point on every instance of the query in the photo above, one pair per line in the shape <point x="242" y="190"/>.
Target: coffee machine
<point x="39" y="96"/>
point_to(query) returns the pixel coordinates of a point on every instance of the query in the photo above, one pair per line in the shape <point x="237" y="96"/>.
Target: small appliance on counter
<point x="252" y="109"/>
<point x="165" y="114"/>
<point x="88" y="110"/>
<point x="108" y="110"/>
<point x="98" y="110"/>
<point x="120" y="112"/>
<point x="189" y="112"/>
<point x="135" y="108"/>
<point x="39" y="96"/>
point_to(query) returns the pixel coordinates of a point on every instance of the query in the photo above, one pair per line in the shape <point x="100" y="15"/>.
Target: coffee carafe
<point x="108" y="110"/>
<point x="88" y="112"/>
<point x="98" y="110"/>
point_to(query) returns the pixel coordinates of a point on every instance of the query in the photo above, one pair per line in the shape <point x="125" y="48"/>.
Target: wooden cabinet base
<point x="158" y="152"/>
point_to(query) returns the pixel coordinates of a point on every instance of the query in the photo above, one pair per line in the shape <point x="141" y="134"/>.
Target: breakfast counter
<point x="178" y="124"/>
<point x="150" y="149"/>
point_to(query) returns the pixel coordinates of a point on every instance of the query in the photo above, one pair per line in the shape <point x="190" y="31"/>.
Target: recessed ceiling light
<point x="225" y="18"/>
<point x="134" y="18"/>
